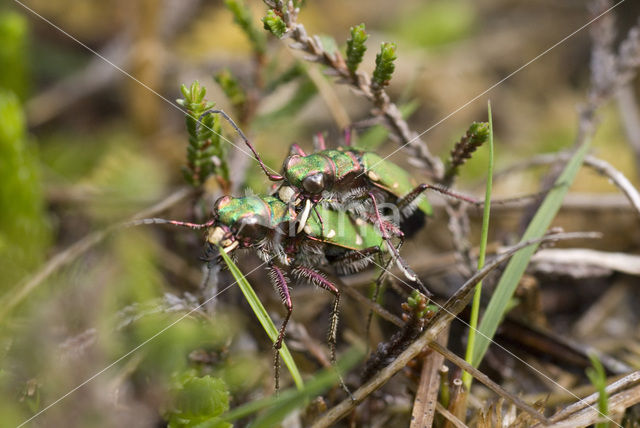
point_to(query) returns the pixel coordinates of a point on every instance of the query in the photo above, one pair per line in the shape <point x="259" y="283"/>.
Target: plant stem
<point x="475" y="306"/>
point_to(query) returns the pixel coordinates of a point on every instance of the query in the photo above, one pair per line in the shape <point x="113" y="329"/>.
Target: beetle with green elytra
<point x="269" y="227"/>
<point x="344" y="178"/>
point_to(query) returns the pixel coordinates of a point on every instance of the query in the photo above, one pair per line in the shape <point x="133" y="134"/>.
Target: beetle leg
<point x="406" y="204"/>
<point x="374" y="298"/>
<point x="315" y="210"/>
<point x="295" y="149"/>
<point x="319" y="280"/>
<point x="348" y="134"/>
<point x="272" y="177"/>
<point x="395" y="254"/>
<point x="279" y="281"/>
<point x="355" y="261"/>
<point x="318" y="142"/>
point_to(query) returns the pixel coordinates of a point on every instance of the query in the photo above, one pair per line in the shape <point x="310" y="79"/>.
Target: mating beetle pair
<point x="347" y="179"/>
<point x="269" y="226"/>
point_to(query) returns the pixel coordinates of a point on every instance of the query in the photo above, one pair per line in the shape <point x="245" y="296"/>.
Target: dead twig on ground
<point x="424" y="404"/>
<point x="315" y="52"/>
<point x="442" y="319"/>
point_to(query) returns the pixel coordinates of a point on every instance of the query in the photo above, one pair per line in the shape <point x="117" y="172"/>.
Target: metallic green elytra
<point x="271" y="210"/>
<point x="340" y="229"/>
<point x="343" y="170"/>
<point x="392" y="178"/>
<point x="245" y="221"/>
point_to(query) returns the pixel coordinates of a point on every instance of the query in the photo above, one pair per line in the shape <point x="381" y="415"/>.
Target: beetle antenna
<point x="272" y="177"/>
<point x="195" y="226"/>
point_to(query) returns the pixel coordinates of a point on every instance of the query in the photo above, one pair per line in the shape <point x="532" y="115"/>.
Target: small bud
<point x="274" y="24"/>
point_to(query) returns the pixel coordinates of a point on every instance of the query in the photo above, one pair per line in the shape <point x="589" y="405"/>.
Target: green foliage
<point x="437" y="22"/>
<point x="515" y="268"/>
<point x="231" y="88"/>
<point x="206" y="152"/>
<point x="356" y="47"/>
<point x="13" y="48"/>
<point x="274" y="24"/>
<point x="263" y="317"/>
<point x="198" y="401"/>
<point x="24" y="233"/>
<point x="278" y="407"/>
<point x="123" y="181"/>
<point x="598" y="378"/>
<point x="384" y="65"/>
<point x="418" y="303"/>
<point x="242" y="16"/>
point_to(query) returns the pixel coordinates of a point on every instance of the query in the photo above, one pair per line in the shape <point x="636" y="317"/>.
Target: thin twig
<point x="599" y="165"/>
<point x="424" y="404"/>
<point x="315" y="52"/>
<point x="486" y="381"/>
<point x="442" y="319"/>
<point x="450" y="417"/>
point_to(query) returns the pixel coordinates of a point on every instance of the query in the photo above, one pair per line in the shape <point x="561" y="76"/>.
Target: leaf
<point x="511" y="277"/>
<point x="263" y="317"/>
<point x="198" y="401"/>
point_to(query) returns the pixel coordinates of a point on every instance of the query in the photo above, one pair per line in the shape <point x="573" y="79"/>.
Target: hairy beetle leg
<point x="319" y="280"/>
<point x="395" y="254"/>
<point x="280" y="283"/>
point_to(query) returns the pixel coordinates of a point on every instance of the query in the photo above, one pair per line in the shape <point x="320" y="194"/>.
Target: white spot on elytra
<point x="331" y="233"/>
<point x="359" y="240"/>
<point x="372" y="175"/>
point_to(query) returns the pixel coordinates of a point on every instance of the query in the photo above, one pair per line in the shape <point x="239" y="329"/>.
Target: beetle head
<point x="312" y="174"/>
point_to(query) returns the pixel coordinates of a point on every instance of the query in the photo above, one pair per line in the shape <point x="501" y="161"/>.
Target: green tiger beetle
<point x="348" y="179"/>
<point x="269" y="226"/>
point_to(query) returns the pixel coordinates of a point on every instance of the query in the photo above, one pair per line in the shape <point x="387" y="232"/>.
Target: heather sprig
<point x="384" y="66"/>
<point x="356" y="47"/>
<point x="206" y="150"/>
<point x="476" y="135"/>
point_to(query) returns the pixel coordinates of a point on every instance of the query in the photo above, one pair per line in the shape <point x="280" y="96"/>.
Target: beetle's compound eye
<point x="251" y="226"/>
<point x="314" y="183"/>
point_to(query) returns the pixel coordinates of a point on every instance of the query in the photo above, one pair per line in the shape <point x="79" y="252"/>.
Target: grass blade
<point x="475" y="306"/>
<point x="516" y="267"/>
<point x="263" y="317"/>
